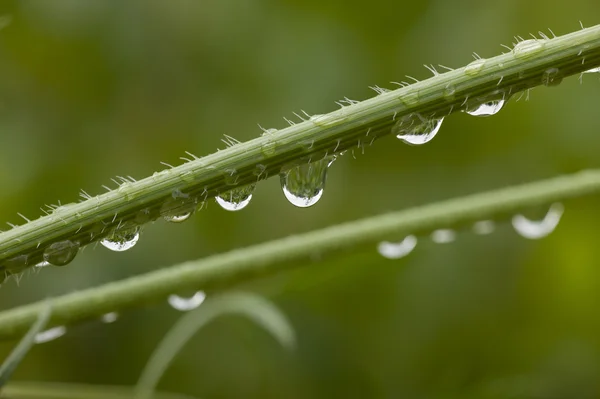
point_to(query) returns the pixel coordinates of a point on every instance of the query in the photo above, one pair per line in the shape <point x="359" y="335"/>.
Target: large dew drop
<point x="186" y="304"/>
<point x="487" y="108"/>
<point x="236" y="199"/>
<point x="50" y="334"/>
<point x="397" y="250"/>
<point x="61" y="253"/>
<point x="535" y="230"/>
<point x="416" y="130"/>
<point x="303" y="184"/>
<point x="122" y="240"/>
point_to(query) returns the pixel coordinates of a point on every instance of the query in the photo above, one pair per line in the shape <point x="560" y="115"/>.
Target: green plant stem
<point x="353" y="126"/>
<point x="226" y="270"/>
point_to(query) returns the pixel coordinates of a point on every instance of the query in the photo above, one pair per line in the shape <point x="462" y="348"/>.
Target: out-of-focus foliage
<point x="93" y="89"/>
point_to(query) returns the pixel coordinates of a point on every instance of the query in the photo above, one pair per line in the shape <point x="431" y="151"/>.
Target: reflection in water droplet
<point x="397" y="250"/>
<point x="178" y="208"/>
<point x="50" y="334"/>
<point x="483" y="227"/>
<point x="109" y="317"/>
<point x="186" y="304"/>
<point x="487" y="108"/>
<point x="303" y="184"/>
<point x="177" y="218"/>
<point x="236" y="199"/>
<point x="122" y="240"/>
<point x="61" y="253"/>
<point x="551" y="77"/>
<point x="415" y="129"/>
<point x="538" y="229"/>
<point x="443" y="236"/>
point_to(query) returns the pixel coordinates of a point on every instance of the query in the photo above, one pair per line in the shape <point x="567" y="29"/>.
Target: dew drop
<point x="535" y="230"/>
<point x="236" y="199"/>
<point x="178" y="218"/>
<point x="397" y="250"/>
<point x="527" y="48"/>
<point x="122" y="240"/>
<point x="303" y="184"/>
<point x="443" y="236"/>
<point x="61" y="253"/>
<point x="593" y="70"/>
<point x="475" y="67"/>
<point x="109" y="317"/>
<point x="186" y="304"/>
<point x="551" y="77"/>
<point x="16" y="265"/>
<point x="484" y="227"/>
<point x="487" y="108"/>
<point x="449" y="91"/>
<point x="50" y="334"/>
<point x="416" y="130"/>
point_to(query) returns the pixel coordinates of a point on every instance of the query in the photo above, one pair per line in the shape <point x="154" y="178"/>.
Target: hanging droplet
<point x="443" y="236"/>
<point x="43" y="264"/>
<point x="110" y="317"/>
<point x="236" y="199"/>
<point x="303" y="184"/>
<point x="178" y="208"/>
<point x="50" y="334"/>
<point x="122" y="240"/>
<point x="593" y="70"/>
<point x="487" y="108"/>
<point x="483" y="227"/>
<point x="186" y="304"/>
<point x="551" y="77"/>
<point x="61" y="253"/>
<point x="538" y="229"/>
<point x="397" y="250"/>
<point x="16" y="265"/>
<point x="416" y="130"/>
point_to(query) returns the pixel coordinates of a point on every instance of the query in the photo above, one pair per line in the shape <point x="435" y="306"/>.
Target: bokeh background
<point x="94" y="89"/>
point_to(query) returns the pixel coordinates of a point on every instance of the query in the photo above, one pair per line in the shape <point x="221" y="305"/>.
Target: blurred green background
<point x="94" y="89"/>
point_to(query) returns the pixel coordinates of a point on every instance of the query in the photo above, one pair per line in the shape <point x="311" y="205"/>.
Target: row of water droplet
<point x="183" y="304"/>
<point x="530" y="229"/>
<point x="302" y="184"/>
<point x="527" y="228"/>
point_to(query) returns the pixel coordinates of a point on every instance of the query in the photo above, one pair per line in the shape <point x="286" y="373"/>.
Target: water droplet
<point x="122" y="240"/>
<point x="61" y="253"/>
<point x="483" y="227"/>
<point x="268" y="147"/>
<point x="236" y="199"/>
<point x="186" y="304"/>
<point x="303" y="184"/>
<point x="475" y="67"/>
<point x="443" y="236"/>
<point x="109" y="317"/>
<point x="178" y="208"/>
<point x="410" y="98"/>
<point x="538" y="229"/>
<point x="487" y="108"/>
<point x="16" y="265"/>
<point x="50" y="334"/>
<point x="269" y="132"/>
<point x="449" y="91"/>
<point x="415" y="129"/>
<point x="551" y="77"/>
<point x="593" y="70"/>
<point x="393" y="250"/>
<point x="42" y="264"/>
<point x="527" y="48"/>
